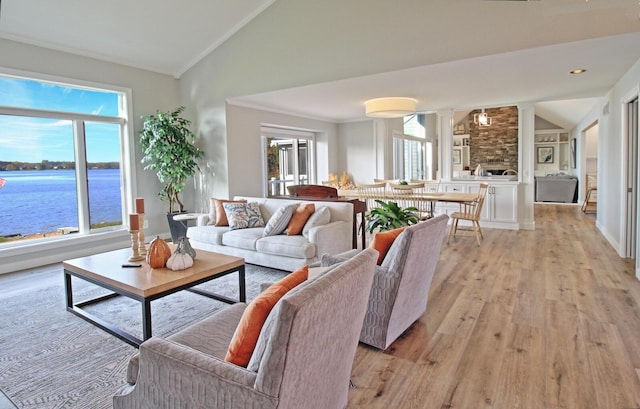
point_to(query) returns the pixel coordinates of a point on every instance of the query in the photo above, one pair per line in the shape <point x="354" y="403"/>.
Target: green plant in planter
<point x="390" y="216"/>
<point x="167" y="148"/>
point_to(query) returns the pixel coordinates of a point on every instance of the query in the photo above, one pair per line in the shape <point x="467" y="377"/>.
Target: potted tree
<point x="168" y="148"/>
<point x="390" y="216"/>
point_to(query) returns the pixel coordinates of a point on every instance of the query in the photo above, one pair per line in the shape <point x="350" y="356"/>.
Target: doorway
<point x="631" y="131"/>
<point x="590" y="171"/>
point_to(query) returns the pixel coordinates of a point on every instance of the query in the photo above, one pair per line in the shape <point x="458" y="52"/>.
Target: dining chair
<point x="589" y="205"/>
<point x="469" y="212"/>
<point x="332" y="183"/>
<point x="427" y="208"/>
<point x="407" y="195"/>
<point x="369" y="192"/>
<point x="387" y="182"/>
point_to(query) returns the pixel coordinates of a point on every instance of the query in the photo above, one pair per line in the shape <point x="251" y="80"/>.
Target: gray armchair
<point x="303" y="358"/>
<point x="401" y="284"/>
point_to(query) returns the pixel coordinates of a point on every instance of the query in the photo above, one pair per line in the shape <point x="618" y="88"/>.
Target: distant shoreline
<point x="19" y="237"/>
<point x="52" y="165"/>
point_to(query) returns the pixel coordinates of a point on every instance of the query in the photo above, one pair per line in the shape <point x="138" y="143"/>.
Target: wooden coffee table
<point x="145" y="284"/>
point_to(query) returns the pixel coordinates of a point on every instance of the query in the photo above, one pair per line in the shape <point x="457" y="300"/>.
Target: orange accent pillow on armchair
<point x="246" y="336"/>
<point x="382" y="242"/>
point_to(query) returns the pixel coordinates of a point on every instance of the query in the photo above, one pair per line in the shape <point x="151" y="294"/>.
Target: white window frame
<point x="398" y="155"/>
<point x="267" y="132"/>
<point x="127" y="157"/>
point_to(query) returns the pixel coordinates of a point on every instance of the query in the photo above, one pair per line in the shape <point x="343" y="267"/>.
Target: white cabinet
<point x="551" y="153"/>
<point x="500" y="204"/>
<point x="500" y="209"/>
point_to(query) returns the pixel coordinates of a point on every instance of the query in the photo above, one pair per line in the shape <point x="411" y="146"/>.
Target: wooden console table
<point x="330" y="194"/>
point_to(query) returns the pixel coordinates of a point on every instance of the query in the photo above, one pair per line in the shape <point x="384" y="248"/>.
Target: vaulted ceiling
<point x="466" y="71"/>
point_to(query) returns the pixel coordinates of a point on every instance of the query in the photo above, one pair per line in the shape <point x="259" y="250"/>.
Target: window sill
<point x="48" y="251"/>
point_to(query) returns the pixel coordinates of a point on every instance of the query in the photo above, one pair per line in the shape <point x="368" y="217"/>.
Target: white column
<point x="526" y="135"/>
<point x="445" y="143"/>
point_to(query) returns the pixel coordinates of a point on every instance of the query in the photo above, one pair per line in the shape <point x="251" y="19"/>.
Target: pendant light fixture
<point x="482" y="119"/>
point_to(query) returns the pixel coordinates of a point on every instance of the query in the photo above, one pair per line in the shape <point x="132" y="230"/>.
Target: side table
<point x="184" y="219"/>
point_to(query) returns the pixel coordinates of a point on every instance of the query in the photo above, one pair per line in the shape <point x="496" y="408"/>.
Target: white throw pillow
<point x="279" y="220"/>
<point x="320" y="217"/>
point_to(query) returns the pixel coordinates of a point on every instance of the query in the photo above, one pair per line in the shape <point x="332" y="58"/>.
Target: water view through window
<point x="60" y="160"/>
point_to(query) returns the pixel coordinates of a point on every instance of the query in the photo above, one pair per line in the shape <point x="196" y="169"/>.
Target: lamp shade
<point x="393" y="107"/>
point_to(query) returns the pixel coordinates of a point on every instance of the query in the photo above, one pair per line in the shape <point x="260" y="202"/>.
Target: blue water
<point x="41" y="201"/>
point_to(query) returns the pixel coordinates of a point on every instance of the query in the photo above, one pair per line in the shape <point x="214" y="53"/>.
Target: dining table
<point x="451" y="197"/>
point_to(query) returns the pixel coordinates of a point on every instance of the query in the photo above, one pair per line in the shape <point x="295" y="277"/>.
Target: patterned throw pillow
<point x="279" y="220"/>
<point x="243" y="215"/>
<point x="219" y="215"/>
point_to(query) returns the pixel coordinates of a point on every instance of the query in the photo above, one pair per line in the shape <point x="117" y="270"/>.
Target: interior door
<point x="632" y="178"/>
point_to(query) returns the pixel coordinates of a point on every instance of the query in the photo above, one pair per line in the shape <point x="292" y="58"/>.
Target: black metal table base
<point x="77" y="308"/>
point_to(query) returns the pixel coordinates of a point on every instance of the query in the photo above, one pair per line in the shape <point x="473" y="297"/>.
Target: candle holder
<point x="135" y="246"/>
<point x="142" y="248"/>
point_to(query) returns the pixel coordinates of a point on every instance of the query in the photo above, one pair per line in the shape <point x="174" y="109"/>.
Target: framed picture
<point x="457" y="158"/>
<point x="545" y="154"/>
<point x="573" y="153"/>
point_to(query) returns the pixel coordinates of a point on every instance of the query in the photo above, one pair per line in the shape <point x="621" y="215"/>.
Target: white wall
<point x="357" y="151"/>
<point x="610" y="217"/>
<point x="246" y="173"/>
<point x="591" y="151"/>
<point x="150" y="91"/>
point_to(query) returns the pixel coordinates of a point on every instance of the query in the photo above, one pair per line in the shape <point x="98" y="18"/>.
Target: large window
<point x="61" y="159"/>
<point x="289" y="159"/>
<point x="412" y="151"/>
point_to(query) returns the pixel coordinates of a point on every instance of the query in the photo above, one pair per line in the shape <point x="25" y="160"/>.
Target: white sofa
<point x="280" y="251"/>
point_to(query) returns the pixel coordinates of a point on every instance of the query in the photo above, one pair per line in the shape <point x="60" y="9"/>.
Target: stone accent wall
<point x="495" y="147"/>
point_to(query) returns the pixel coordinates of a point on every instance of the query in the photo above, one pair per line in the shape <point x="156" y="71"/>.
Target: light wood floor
<point x="531" y="319"/>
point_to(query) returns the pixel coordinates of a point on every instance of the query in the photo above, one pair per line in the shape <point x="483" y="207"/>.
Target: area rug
<point x="50" y="358"/>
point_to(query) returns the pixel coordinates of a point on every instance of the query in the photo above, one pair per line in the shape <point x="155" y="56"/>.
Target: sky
<point x="25" y="139"/>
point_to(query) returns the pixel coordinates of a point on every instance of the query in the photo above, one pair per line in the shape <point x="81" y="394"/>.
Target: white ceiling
<point x="169" y="37"/>
<point x="539" y="74"/>
<point x="158" y="35"/>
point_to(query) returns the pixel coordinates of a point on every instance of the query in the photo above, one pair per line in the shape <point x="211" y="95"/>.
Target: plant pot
<point x="178" y="228"/>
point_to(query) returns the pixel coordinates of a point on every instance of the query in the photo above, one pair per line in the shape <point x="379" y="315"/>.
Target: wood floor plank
<point x="568" y="381"/>
<point x="560" y="285"/>
<point x="522" y="380"/>
<point x="625" y="313"/>
<point x="529" y="308"/>
<point x="463" y="315"/>
<point x="433" y="374"/>
<point x="589" y="296"/>
<point x="441" y="299"/>
<point x="505" y="287"/>
<point x="614" y="380"/>
<point x="474" y="384"/>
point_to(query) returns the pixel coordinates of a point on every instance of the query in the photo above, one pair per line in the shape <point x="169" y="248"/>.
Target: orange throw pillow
<point x="382" y="242"/>
<point x="221" y="216"/>
<point x="246" y="336"/>
<point x="299" y="218"/>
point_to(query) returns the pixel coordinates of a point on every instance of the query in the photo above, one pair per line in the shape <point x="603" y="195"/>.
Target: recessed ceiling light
<point x="578" y="71"/>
